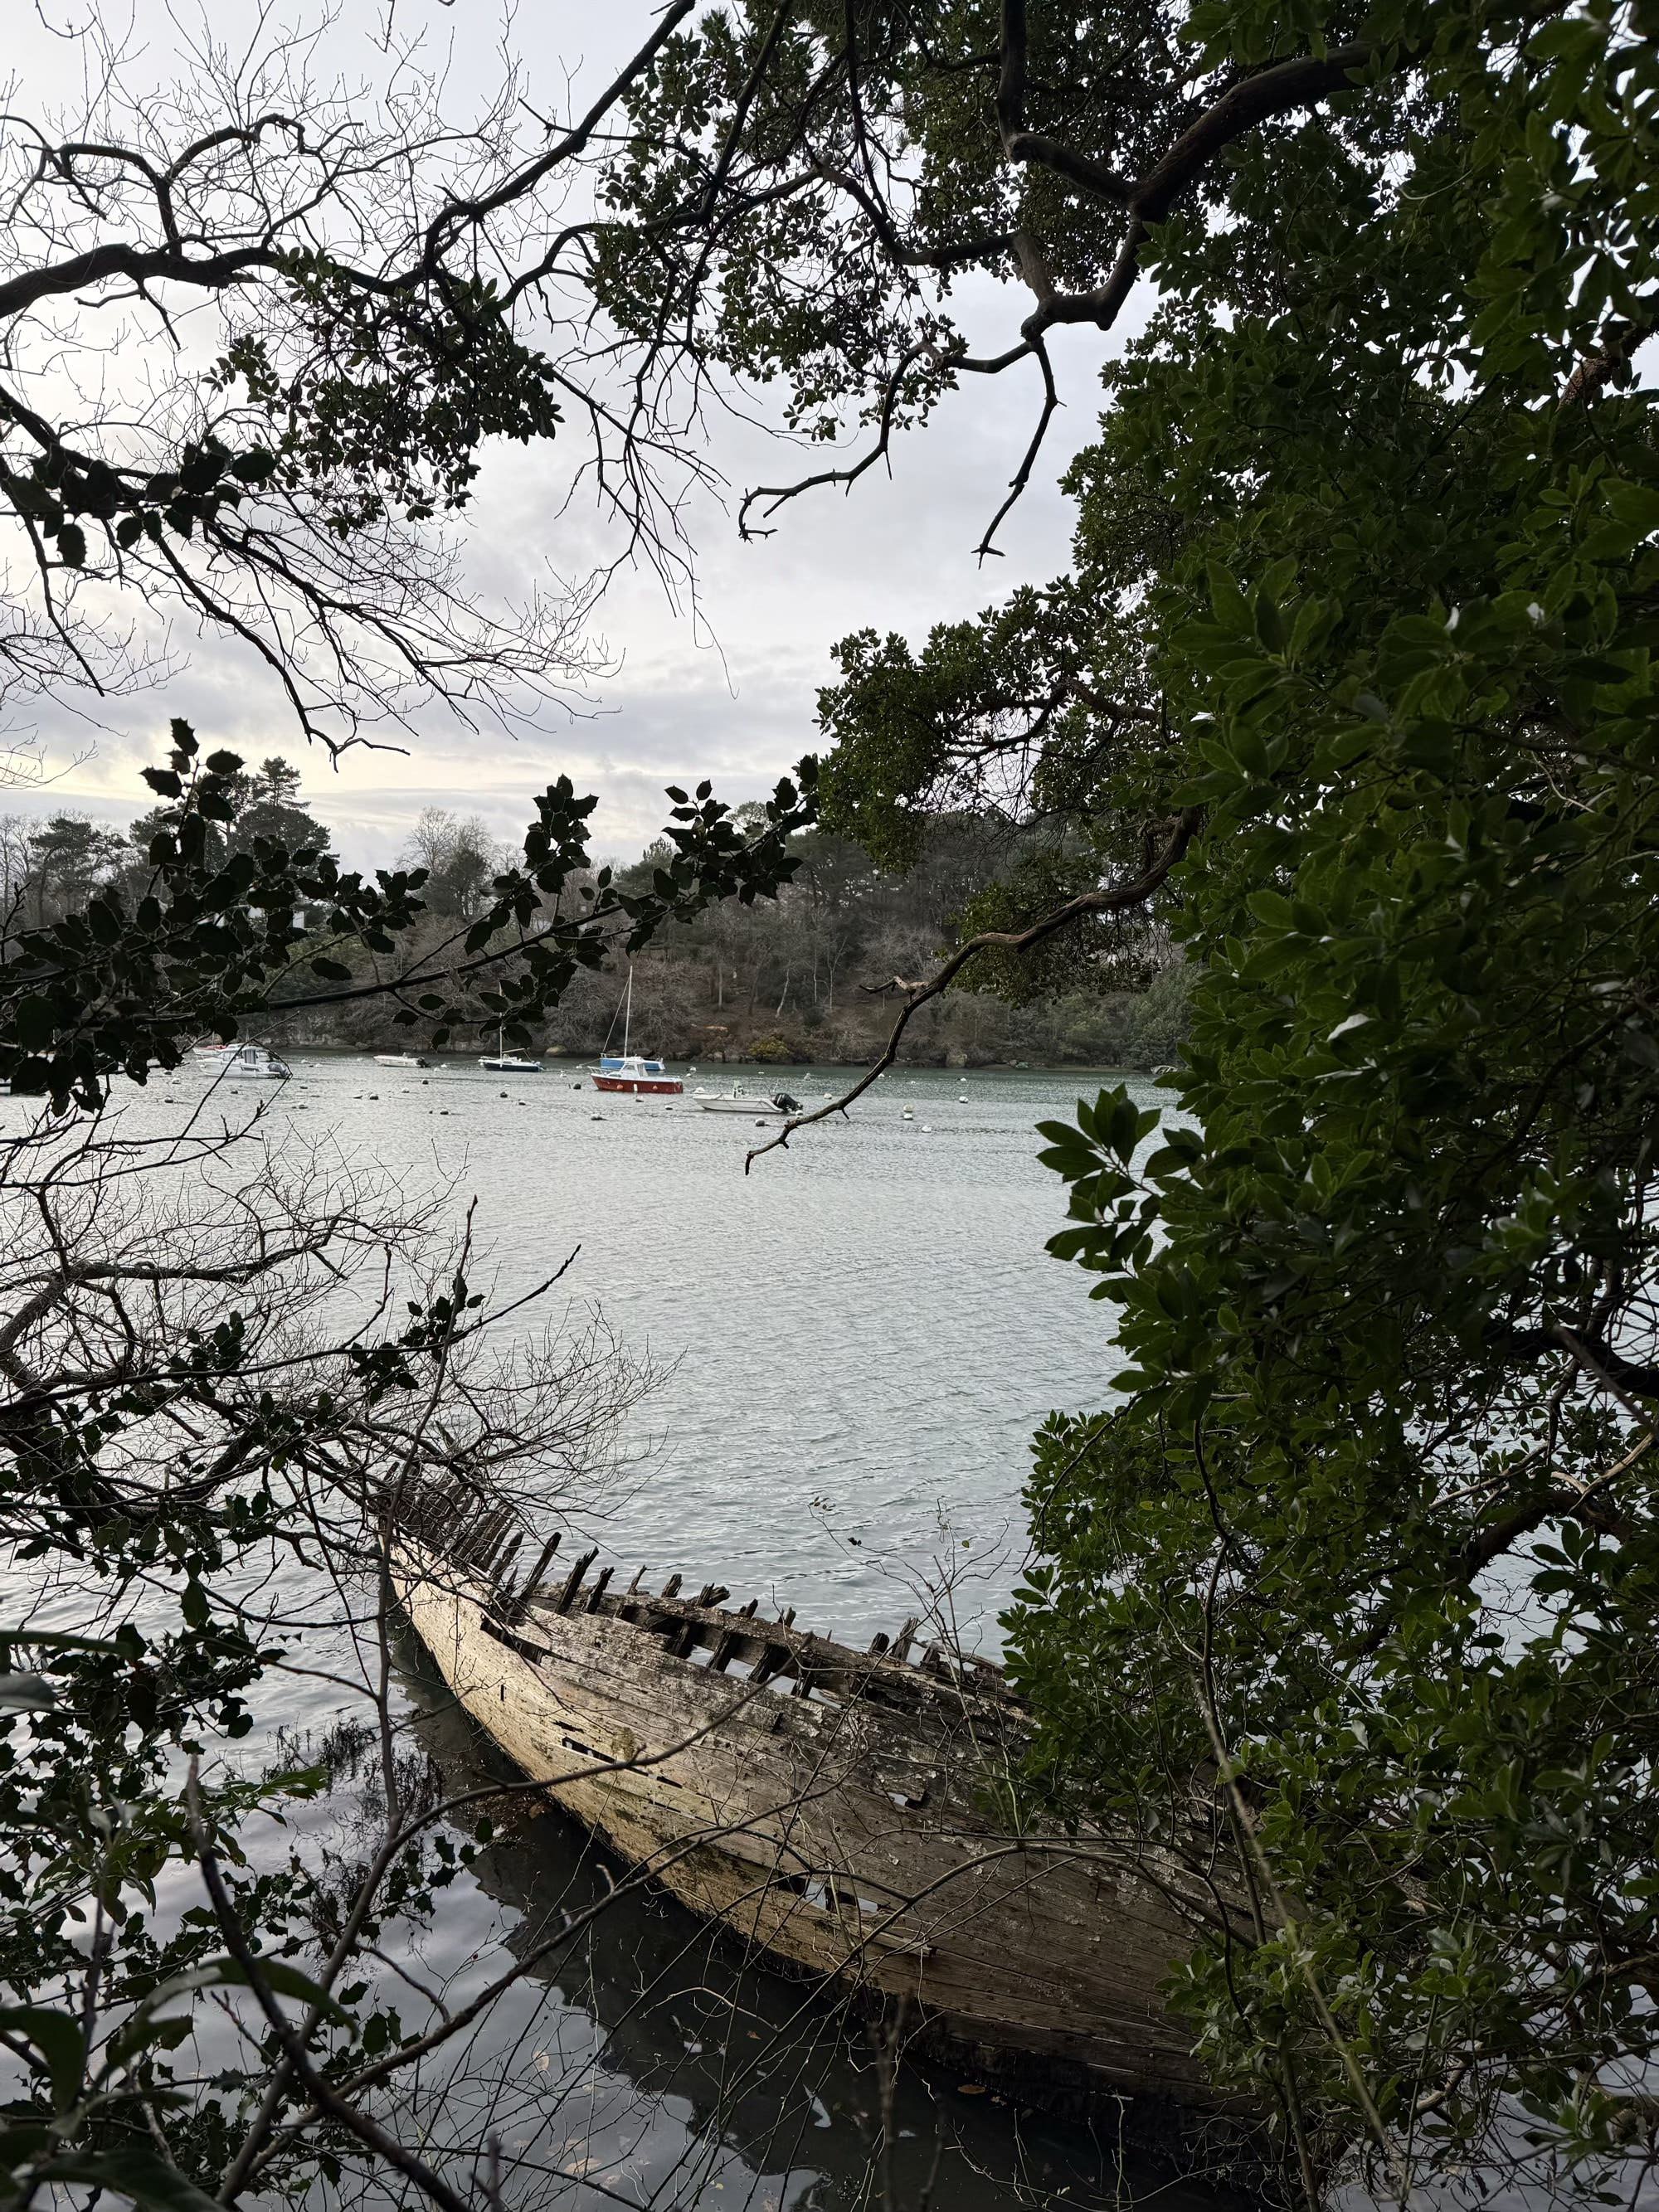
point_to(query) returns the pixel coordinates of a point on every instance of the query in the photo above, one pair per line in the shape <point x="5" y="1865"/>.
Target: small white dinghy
<point x="252" y="1063"/>
<point x="758" y="1110"/>
<point x="400" y="1059"/>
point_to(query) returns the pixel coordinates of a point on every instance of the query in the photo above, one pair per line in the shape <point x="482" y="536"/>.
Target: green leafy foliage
<point x="1370" y="1532"/>
<point x="1353" y="1589"/>
<point x="60" y="491"/>
<point x="388" y="392"/>
<point x="210" y="1423"/>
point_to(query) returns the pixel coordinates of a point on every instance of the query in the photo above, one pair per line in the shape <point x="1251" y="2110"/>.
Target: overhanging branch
<point x="1115" y="898"/>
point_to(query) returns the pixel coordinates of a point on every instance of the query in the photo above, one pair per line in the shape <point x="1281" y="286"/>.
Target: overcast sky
<point x="732" y="697"/>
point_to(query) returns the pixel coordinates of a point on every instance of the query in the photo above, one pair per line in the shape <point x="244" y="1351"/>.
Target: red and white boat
<point x="631" y="1071"/>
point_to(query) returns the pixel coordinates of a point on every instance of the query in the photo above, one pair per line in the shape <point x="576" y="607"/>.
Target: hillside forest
<point x="799" y="978"/>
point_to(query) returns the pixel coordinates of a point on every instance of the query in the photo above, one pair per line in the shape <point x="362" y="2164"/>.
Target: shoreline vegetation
<point x="1335" y="1603"/>
<point x="580" y="1062"/>
<point x="805" y="980"/>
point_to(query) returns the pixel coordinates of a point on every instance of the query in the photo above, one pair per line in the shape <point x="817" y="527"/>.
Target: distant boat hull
<point x="510" y="1066"/>
<point x="645" y="1086"/>
<point x="242" y="1063"/>
<point x="757" y="1109"/>
<point x="400" y="1059"/>
<point x="634" y="1072"/>
<point x="252" y="1063"/>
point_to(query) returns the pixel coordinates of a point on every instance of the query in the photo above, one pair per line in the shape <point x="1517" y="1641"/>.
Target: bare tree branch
<point x="1117" y="898"/>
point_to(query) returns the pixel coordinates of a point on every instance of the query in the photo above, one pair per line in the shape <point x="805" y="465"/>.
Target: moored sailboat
<point x="632" y="1071"/>
<point x="503" y="1062"/>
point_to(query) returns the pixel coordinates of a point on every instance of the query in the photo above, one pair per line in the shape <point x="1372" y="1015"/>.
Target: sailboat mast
<point x="628" y="1008"/>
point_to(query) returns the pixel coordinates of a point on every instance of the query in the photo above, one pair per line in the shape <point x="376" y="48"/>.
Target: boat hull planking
<point x="833" y="1816"/>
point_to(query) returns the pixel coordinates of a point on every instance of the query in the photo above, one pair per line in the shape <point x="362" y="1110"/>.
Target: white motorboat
<point x="252" y="1063"/>
<point x="400" y="1059"/>
<point x="736" y="1101"/>
<point x="503" y="1062"/>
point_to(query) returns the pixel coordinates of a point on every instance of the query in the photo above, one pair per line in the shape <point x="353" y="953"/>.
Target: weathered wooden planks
<point x="830" y="1807"/>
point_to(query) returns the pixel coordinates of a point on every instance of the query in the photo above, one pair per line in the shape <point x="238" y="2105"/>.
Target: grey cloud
<point x="728" y="694"/>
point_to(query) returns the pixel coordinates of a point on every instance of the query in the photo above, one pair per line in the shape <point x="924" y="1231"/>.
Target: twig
<point x="1022" y="476"/>
<point x="776" y="494"/>
<point x="369" y="2132"/>
<point x="1114" y="899"/>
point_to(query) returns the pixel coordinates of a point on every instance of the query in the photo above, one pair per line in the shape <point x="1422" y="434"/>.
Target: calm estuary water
<point x="860" y="1335"/>
<point x="863" y="1330"/>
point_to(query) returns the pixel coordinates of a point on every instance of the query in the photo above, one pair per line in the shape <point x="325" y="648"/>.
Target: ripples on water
<point x="863" y="1333"/>
<point x="866" y="1327"/>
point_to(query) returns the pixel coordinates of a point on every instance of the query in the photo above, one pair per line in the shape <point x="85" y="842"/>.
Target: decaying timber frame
<point x="831" y="1808"/>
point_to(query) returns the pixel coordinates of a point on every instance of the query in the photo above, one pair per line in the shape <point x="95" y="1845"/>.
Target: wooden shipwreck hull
<point x="832" y="1808"/>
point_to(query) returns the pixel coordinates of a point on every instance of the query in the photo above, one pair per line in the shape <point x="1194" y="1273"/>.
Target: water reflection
<point x="660" y="2068"/>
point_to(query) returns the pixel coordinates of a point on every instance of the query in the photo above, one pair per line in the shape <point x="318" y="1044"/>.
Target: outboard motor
<point x="785" y="1103"/>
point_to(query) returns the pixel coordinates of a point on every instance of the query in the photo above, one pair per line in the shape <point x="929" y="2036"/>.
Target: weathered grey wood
<point x="833" y="1666"/>
<point x="491" y="1529"/>
<point x="484" y="1558"/>
<point x="731" y="1645"/>
<point x="573" y="1581"/>
<point x="534" y="1581"/>
<point x="844" y="1831"/>
<point x="596" y="1597"/>
<point x="502" y="1567"/>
